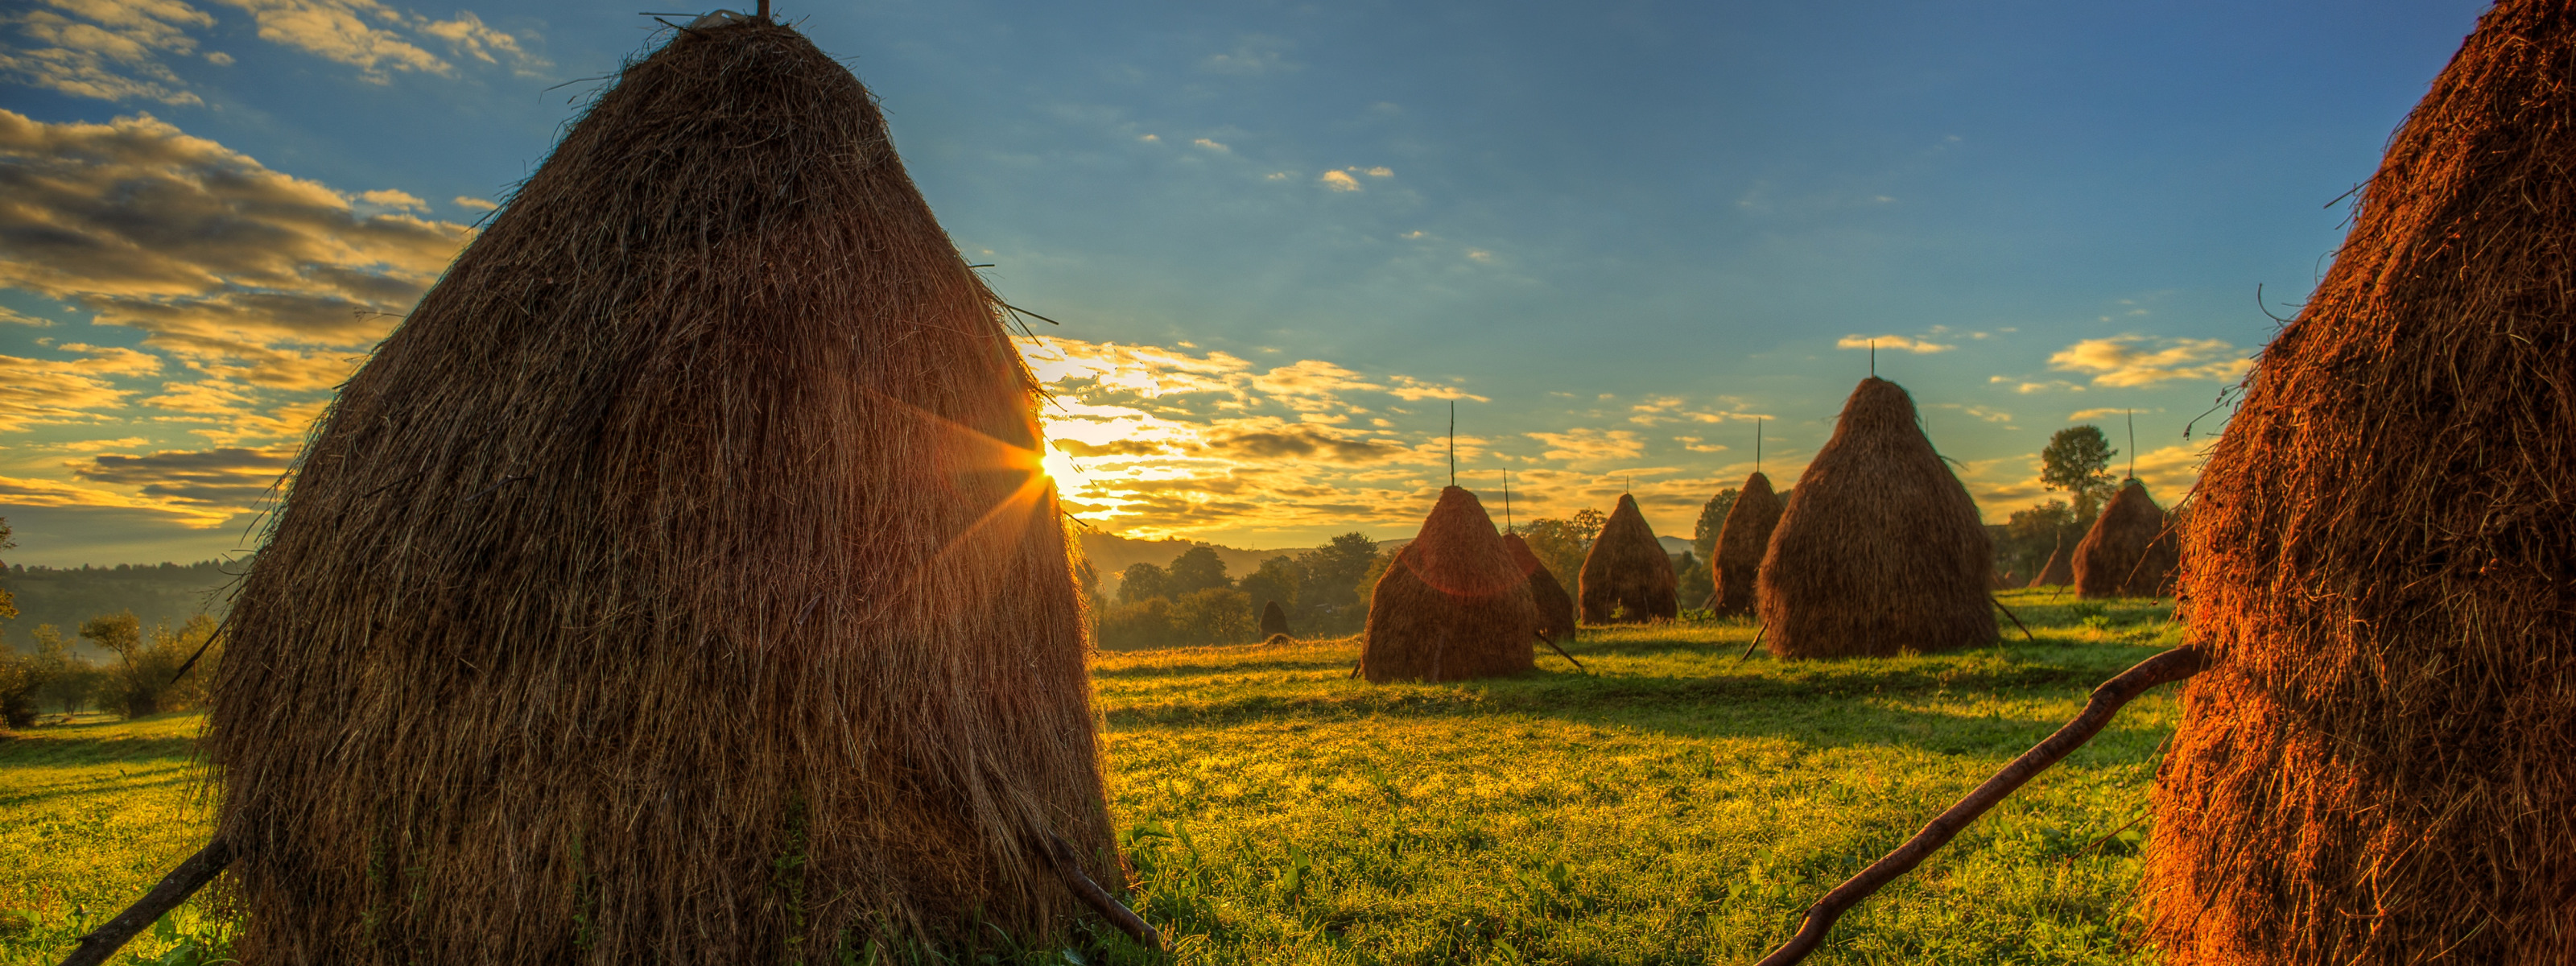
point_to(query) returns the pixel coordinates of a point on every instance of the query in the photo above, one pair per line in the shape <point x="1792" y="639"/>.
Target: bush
<point x="1216" y="615"/>
<point x="147" y="678"/>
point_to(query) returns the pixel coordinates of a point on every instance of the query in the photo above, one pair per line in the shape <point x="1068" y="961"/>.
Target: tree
<point x="8" y="601"/>
<point x="1196" y="569"/>
<point x="2077" y="460"/>
<point x="1712" y="519"/>
<point x="70" y="679"/>
<point x="1560" y="545"/>
<point x="1334" y="572"/>
<point x="1279" y="579"/>
<point x="2032" y="534"/>
<point x="1142" y="582"/>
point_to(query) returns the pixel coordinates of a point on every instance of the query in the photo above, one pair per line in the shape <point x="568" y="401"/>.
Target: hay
<point x="1274" y="622"/>
<point x="2126" y="554"/>
<point x="1555" y="606"/>
<point x="1741" y="541"/>
<point x="1452" y="605"/>
<point x="2058" y="572"/>
<point x="1882" y="552"/>
<point x="677" y="582"/>
<point x="2379" y="767"/>
<point x="1278" y="640"/>
<point x="1627" y="577"/>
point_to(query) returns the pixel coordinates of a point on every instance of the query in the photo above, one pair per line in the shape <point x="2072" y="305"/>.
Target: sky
<point x="1281" y="239"/>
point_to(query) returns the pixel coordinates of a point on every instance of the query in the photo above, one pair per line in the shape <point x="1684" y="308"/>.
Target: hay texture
<point x="2058" y="572"/>
<point x="676" y="584"/>
<point x="1627" y="578"/>
<point x="2379" y="765"/>
<point x="1274" y="622"/>
<point x="1741" y="542"/>
<point x="1882" y="552"/>
<point x="1452" y="605"/>
<point x="2127" y="553"/>
<point x="1555" y="606"/>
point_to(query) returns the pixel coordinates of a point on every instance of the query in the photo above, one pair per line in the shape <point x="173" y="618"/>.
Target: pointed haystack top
<point x="690" y="521"/>
<point x="2125" y="555"/>
<point x="1627" y="577"/>
<point x="1555" y="606"/>
<point x="2376" y="766"/>
<point x="1883" y="550"/>
<point x="1274" y="621"/>
<point x="1452" y="605"/>
<point x="2059" y="571"/>
<point x="1741" y="542"/>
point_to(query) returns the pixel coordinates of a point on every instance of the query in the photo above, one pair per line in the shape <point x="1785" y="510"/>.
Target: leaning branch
<point x="2173" y="665"/>
<point x="1069" y="866"/>
<point x="1551" y="642"/>
<point x="174" y="889"/>
<point x="2025" y="630"/>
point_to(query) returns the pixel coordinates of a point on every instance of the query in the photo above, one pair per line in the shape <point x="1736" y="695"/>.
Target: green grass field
<point x="1671" y="804"/>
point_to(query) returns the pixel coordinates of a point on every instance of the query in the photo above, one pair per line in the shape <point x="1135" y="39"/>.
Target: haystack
<point x="1882" y="552"/>
<point x="678" y="582"/>
<point x="2058" y="572"/>
<point x="2379" y="765"/>
<point x="1274" y="622"/>
<point x="1555" y="606"/>
<point x="2125" y="555"/>
<point x="1452" y="605"/>
<point x="1627" y="578"/>
<point x="1741" y="541"/>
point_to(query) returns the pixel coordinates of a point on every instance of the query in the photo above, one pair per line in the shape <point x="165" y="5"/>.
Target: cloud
<point x="2140" y="360"/>
<point x="393" y="199"/>
<point x="472" y="203"/>
<point x="1586" y="446"/>
<point x="1254" y="55"/>
<point x="216" y="256"/>
<point x="1340" y="181"/>
<point x="2026" y="387"/>
<point x="19" y="491"/>
<point x="10" y="316"/>
<point x="467" y="36"/>
<point x="1893" y="343"/>
<point x="1301" y="442"/>
<point x="2107" y="412"/>
<point x="1211" y="145"/>
<point x="1380" y="171"/>
<point x="111" y="52"/>
<point x="78" y="390"/>
<point x="233" y="479"/>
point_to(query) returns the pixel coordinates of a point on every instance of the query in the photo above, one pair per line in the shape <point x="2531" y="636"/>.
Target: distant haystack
<point x="1452" y="605"/>
<point x="691" y="523"/>
<point x="1274" y="622"/>
<point x="1741" y="542"/>
<point x="2127" y="553"/>
<point x="1882" y="552"/>
<point x="1627" y="578"/>
<point x="2059" y="571"/>
<point x="1555" y="606"/>
<point x="2379" y="764"/>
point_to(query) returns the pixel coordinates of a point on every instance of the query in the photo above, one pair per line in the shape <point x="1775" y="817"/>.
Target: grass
<point x="1671" y="804"/>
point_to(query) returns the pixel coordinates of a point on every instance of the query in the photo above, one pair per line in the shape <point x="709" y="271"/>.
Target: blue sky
<point x="1281" y="237"/>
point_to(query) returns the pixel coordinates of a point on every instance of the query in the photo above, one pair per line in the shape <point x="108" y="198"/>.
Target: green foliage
<point x="2032" y="534"/>
<point x="1560" y="545"/>
<point x="155" y="593"/>
<point x="1196" y="569"/>
<point x="70" y="679"/>
<point x="1279" y="579"/>
<point x="8" y="601"/>
<point x="2077" y="460"/>
<point x="146" y="678"/>
<point x="1711" y="522"/>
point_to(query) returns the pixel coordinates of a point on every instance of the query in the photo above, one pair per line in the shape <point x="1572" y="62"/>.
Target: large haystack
<point x="1452" y="605"/>
<point x="676" y="584"/>
<point x="1882" y="552"/>
<point x="1627" y="578"/>
<point x="2125" y="554"/>
<point x="2379" y="765"/>
<point x="2058" y="572"/>
<point x="1741" y="542"/>
<point x="1555" y="606"/>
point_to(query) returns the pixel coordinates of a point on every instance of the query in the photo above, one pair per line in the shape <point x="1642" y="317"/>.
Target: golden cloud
<point x="2140" y="360"/>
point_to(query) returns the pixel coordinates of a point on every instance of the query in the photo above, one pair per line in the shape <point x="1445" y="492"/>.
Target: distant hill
<point x="169" y="593"/>
<point x="1110" y="554"/>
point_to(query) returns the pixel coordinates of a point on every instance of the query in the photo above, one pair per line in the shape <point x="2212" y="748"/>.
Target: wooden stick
<point x="1551" y="642"/>
<point x="2173" y="665"/>
<point x="2025" y="631"/>
<point x="1757" y="641"/>
<point x="1069" y="865"/>
<point x="174" y="889"/>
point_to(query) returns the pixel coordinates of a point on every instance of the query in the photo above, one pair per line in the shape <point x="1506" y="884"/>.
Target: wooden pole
<point x="1551" y="642"/>
<point x="174" y="889"/>
<point x="2173" y="665"/>
<point x="1069" y="866"/>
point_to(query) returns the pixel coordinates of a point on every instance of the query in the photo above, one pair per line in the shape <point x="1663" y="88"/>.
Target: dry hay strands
<point x="1452" y="605"/>
<point x="2058" y="572"/>
<point x="1555" y="606"/>
<point x="2106" y="701"/>
<point x="771" y="641"/>
<point x="2125" y="554"/>
<point x="1627" y="578"/>
<point x="1741" y="541"/>
<point x="2380" y="765"/>
<point x="1274" y="621"/>
<point x="1882" y="552"/>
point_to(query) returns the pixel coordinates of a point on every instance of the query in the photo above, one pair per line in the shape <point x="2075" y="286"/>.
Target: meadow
<point x="1672" y="802"/>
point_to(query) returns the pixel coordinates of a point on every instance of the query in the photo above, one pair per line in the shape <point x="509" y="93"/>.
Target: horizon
<point x="1277" y="240"/>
